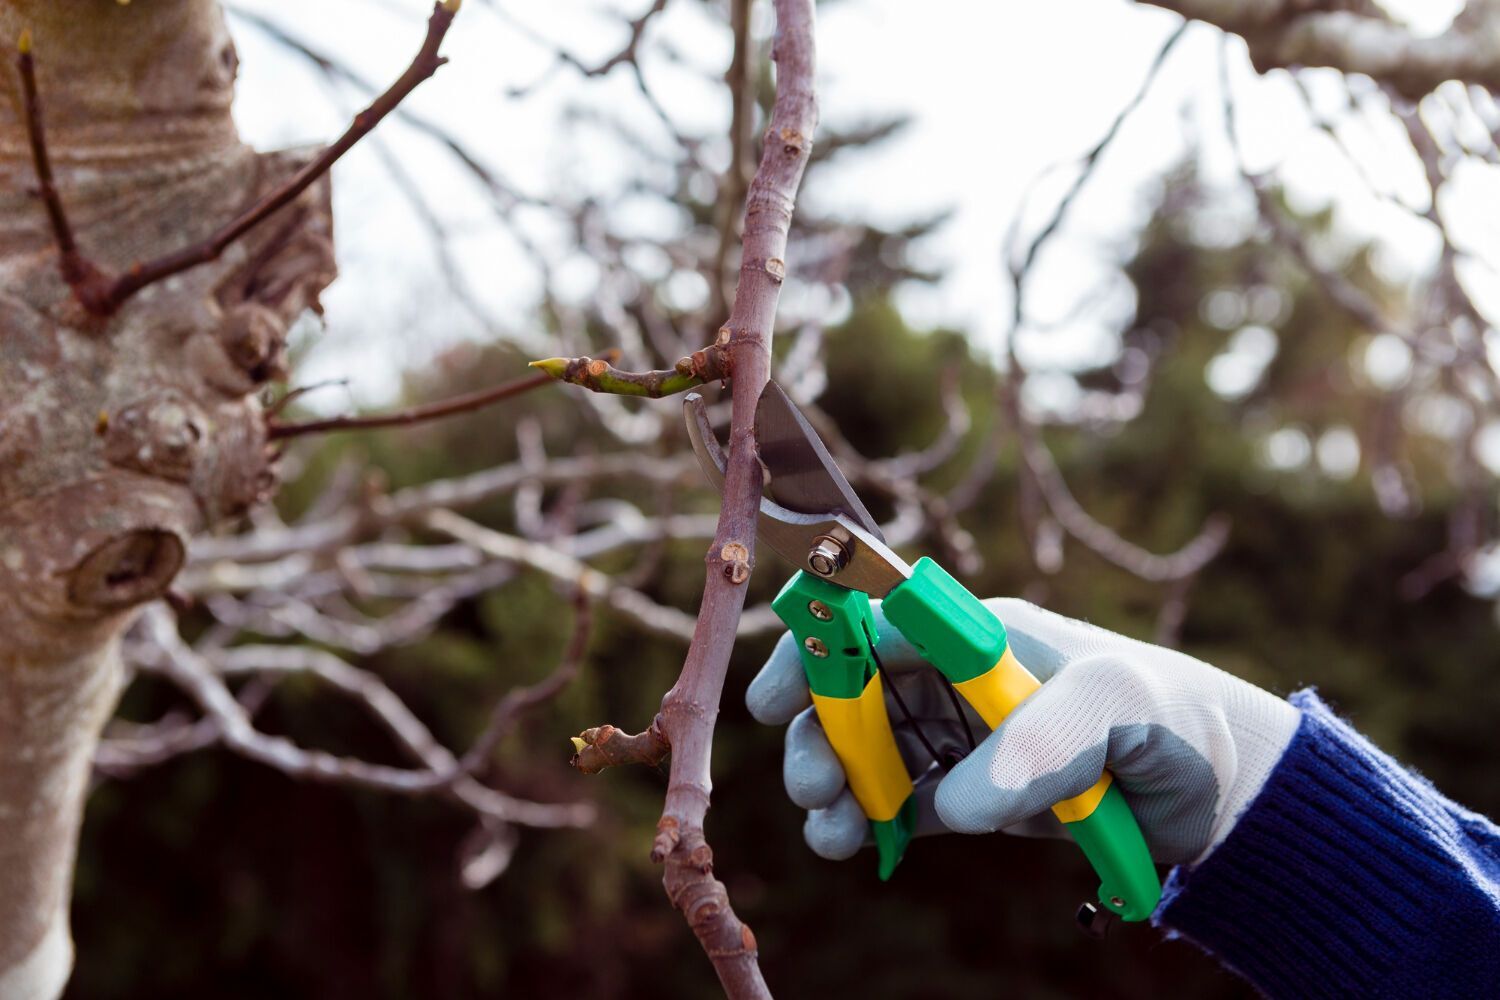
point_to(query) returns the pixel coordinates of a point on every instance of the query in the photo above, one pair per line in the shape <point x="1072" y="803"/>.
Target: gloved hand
<point x="1189" y="745"/>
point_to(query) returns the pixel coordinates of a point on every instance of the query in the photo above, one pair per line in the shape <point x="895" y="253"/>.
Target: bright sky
<point x="997" y="91"/>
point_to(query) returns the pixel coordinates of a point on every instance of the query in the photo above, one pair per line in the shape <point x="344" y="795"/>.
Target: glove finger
<point x="1045" y="641"/>
<point x="780" y="690"/>
<point x="1042" y="826"/>
<point x="1053" y="747"/>
<point x="929" y="823"/>
<point x="838" y="831"/>
<point x="811" y="770"/>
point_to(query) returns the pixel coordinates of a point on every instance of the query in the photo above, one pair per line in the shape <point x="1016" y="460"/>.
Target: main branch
<point x="689" y="710"/>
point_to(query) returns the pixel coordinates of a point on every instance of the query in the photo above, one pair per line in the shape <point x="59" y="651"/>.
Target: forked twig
<point x="81" y="275"/>
<point x="103" y="294"/>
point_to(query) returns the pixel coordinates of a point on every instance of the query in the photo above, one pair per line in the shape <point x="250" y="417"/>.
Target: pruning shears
<point x="811" y="516"/>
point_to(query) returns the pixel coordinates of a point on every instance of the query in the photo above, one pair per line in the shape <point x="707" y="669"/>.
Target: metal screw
<point x="828" y="556"/>
<point x="820" y="611"/>
<point x="815" y="646"/>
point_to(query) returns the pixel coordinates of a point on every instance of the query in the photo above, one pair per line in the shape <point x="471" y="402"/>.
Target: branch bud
<point x="556" y="367"/>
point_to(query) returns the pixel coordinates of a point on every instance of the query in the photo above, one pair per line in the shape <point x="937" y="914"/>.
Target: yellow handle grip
<point x="995" y="694"/>
<point x="860" y="732"/>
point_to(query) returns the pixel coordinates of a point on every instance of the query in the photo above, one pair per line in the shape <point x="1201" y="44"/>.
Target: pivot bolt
<point x="820" y="611"/>
<point x="828" y="556"/>
<point x="815" y="646"/>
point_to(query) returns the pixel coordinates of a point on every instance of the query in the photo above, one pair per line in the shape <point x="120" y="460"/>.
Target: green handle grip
<point x="964" y="640"/>
<point x="1112" y="841"/>
<point x="835" y="632"/>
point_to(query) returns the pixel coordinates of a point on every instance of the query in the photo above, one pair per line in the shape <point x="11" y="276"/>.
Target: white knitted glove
<point x="1189" y="745"/>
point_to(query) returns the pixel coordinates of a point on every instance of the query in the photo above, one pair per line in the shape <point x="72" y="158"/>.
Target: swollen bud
<point x="556" y="367"/>
<point x="24" y="42"/>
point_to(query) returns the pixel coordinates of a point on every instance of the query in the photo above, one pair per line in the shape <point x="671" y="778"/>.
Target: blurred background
<point x="1103" y="318"/>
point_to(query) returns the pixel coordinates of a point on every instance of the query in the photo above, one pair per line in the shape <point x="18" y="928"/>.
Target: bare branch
<point x="1043" y="473"/>
<point x="467" y="403"/>
<point x="103" y="295"/>
<point x="1021" y="264"/>
<point x="685" y="723"/>
<point x="945" y="445"/>
<point x="688" y="711"/>
<point x="77" y="270"/>
<point x="1076" y="521"/>
<point x="740" y="78"/>
<point x="200" y="679"/>
<point x="543" y="557"/>
<point x="519" y="700"/>
<point x="349" y="524"/>
<point x="561" y="57"/>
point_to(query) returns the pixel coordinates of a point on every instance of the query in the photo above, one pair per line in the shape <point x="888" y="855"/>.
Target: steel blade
<point x="803" y="476"/>
<point x="870" y="566"/>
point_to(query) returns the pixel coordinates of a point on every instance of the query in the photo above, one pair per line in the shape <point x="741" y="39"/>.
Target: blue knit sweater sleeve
<point x="1347" y="876"/>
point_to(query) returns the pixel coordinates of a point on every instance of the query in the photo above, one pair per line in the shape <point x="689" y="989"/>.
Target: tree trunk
<point x="122" y="434"/>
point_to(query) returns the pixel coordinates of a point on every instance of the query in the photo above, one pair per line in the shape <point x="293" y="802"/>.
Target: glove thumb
<point x="1052" y="747"/>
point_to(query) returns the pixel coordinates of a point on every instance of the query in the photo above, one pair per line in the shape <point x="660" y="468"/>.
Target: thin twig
<point x="741" y="80"/>
<point x="561" y="57"/>
<point x="708" y="364"/>
<point x="103" y="295"/>
<point x="1040" y="465"/>
<point x="1022" y="266"/>
<point x="81" y="275"/>
<point x="297" y="392"/>
<point x="519" y="700"/>
<point x="466" y="403"/>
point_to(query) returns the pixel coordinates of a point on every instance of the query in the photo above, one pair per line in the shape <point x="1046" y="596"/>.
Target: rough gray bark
<point x="119" y="436"/>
